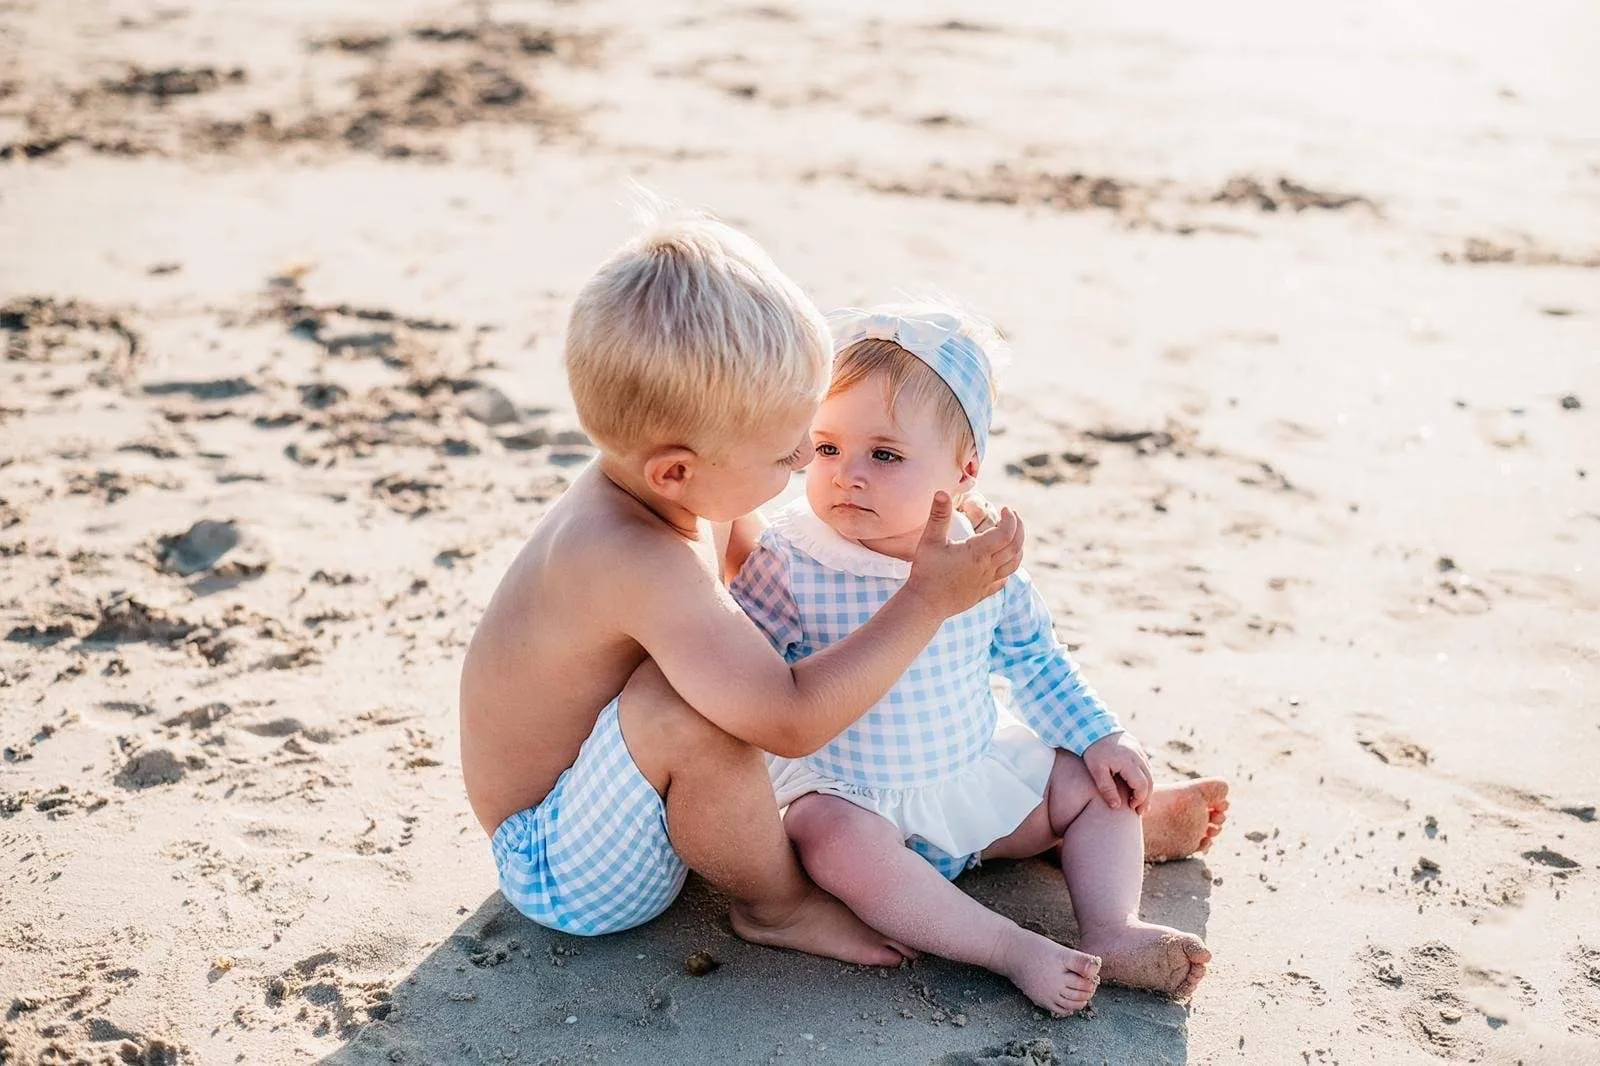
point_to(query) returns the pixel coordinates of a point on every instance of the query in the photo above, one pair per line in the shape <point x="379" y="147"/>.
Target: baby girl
<point x="940" y="774"/>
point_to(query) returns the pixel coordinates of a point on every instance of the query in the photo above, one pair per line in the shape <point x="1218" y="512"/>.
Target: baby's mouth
<point x="848" y="506"/>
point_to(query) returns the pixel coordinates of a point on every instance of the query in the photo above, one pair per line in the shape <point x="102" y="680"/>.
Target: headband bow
<point x="939" y="339"/>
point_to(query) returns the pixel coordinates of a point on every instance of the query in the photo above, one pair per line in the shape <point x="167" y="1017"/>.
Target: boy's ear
<point x="668" y="470"/>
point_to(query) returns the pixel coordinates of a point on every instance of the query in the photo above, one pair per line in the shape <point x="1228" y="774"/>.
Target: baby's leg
<point x="860" y="858"/>
<point x="1183" y="819"/>
<point x="723" y="823"/>
<point x="1102" y="856"/>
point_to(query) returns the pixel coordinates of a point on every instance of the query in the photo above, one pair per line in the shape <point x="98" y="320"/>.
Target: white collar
<point x="800" y="526"/>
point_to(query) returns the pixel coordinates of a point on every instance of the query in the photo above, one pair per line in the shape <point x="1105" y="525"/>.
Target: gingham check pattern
<point x="594" y="857"/>
<point x="940" y="715"/>
<point x="950" y="867"/>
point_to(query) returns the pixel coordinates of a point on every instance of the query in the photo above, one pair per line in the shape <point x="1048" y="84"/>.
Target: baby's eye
<point x="884" y="455"/>
<point x="794" y="456"/>
<point x="827" y="450"/>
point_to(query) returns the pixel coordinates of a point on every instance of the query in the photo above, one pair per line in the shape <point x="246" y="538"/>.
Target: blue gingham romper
<point x="807" y="587"/>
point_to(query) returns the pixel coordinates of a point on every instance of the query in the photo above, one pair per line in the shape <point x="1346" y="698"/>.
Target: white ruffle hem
<point x="961" y="814"/>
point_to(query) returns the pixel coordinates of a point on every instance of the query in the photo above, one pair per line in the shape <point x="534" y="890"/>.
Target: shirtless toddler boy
<point x="615" y="702"/>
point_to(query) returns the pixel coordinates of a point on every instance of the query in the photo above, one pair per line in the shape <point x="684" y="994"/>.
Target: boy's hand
<point x="956" y="577"/>
<point x="1120" y="756"/>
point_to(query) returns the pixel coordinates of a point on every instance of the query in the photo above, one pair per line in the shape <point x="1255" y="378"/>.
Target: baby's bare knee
<point x="813" y="817"/>
<point x="820" y="824"/>
<point x="1072" y="788"/>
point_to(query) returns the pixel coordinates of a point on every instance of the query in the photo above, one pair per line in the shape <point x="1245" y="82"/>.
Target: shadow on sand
<point x="502" y="989"/>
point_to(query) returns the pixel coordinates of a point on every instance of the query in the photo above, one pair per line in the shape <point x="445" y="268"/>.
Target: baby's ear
<point x="969" y="470"/>
<point x="669" y="469"/>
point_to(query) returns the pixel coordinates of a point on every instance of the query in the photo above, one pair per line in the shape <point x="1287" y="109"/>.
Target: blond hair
<point x="687" y="334"/>
<point x="906" y="376"/>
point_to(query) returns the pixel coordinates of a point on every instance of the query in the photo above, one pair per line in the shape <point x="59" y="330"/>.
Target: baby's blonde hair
<point x="906" y="376"/>
<point x="687" y="334"/>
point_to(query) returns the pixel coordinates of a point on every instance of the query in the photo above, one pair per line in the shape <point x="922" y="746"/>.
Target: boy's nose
<point x="848" y="476"/>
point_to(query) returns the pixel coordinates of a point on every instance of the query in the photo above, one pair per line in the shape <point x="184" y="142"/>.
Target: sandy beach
<point x="1304" y="421"/>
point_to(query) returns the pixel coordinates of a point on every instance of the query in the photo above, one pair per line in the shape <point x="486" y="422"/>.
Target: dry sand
<point x="1304" y="424"/>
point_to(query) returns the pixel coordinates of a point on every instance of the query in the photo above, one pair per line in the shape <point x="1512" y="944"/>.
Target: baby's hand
<point x="954" y="577"/>
<point x="1120" y="756"/>
<point x="979" y="511"/>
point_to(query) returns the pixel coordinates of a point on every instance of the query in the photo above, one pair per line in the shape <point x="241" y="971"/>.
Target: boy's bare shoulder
<point x="609" y="539"/>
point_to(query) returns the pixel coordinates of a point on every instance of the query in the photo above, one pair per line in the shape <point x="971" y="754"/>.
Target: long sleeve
<point x="762" y="590"/>
<point x="1047" y="691"/>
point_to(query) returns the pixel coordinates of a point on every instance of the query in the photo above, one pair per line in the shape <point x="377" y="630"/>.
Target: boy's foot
<point x="820" y="925"/>
<point x="1141" y="955"/>
<point x="1057" y="978"/>
<point x="1182" y="820"/>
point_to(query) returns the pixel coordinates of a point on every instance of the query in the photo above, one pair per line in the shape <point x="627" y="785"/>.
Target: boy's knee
<point x="651" y="712"/>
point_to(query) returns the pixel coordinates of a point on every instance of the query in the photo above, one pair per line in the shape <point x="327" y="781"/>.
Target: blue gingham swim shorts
<point x="594" y="856"/>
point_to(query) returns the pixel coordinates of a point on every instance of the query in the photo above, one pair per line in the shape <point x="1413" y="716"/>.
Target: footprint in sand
<point x="1580" y="994"/>
<point x="149" y="767"/>
<point x="326" y="998"/>
<point x="1419" y="993"/>
<point x="1395" y="749"/>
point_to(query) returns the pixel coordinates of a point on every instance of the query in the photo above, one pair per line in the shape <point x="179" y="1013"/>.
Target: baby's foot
<point x="1140" y="955"/>
<point x="820" y="925"/>
<point x="1181" y="820"/>
<point x="1057" y="978"/>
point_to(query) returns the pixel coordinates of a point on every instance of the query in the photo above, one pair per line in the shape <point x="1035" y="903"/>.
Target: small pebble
<point x="699" y="964"/>
<point x="572" y="1019"/>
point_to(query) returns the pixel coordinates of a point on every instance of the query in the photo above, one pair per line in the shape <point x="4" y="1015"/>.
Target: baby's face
<point x="874" y="471"/>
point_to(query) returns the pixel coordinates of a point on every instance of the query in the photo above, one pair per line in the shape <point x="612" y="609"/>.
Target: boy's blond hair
<point x="688" y="334"/>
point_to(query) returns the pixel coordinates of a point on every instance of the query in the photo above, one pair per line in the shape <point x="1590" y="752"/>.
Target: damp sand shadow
<point x="502" y="989"/>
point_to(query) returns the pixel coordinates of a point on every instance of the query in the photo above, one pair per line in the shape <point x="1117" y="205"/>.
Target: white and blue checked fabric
<point x="594" y="856"/>
<point x="807" y="587"/>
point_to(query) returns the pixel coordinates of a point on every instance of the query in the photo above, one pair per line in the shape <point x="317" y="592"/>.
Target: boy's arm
<point x="724" y="668"/>
<point x="1047" y="691"/>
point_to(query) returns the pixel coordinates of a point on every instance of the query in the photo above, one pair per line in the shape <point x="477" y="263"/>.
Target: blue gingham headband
<point x="940" y="340"/>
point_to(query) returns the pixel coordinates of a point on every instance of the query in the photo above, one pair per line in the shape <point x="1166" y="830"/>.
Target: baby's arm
<point x="763" y="590"/>
<point x="743" y="534"/>
<point x="1051" y="696"/>
<point x="722" y="666"/>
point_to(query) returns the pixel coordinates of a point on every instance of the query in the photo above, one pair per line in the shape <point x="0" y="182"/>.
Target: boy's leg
<point x="1102" y="857"/>
<point x="723" y="823"/>
<point x="860" y="858"/>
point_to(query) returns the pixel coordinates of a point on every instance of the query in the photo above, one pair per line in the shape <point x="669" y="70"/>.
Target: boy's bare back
<point x="551" y="651"/>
